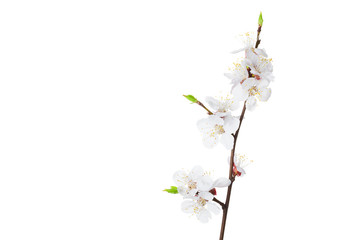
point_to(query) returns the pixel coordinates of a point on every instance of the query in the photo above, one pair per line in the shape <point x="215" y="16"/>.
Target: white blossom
<point x="197" y="183"/>
<point x="198" y="188"/>
<point x="260" y="67"/>
<point x="223" y="105"/>
<point x="201" y="208"/>
<point x="252" y="90"/>
<point x="248" y="44"/>
<point x="217" y="128"/>
<point x="238" y="72"/>
<point x="240" y="162"/>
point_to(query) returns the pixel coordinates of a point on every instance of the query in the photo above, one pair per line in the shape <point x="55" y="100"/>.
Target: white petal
<point x="263" y="83"/>
<point x="240" y="169"/>
<point x="204" y="183"/>
<point x="206" y="127"/>
<point x="249" y="83"/>
<point x="210" y="141"/>
<point x="265" y="94"/>
<point x="196" y="172"/>
<point x="237" y="51"/>
<point x="231" y="76"/>
<point x="192" y="193"/>
<point x="213" y="207"/>
<point x="227" y="140"/>
<point x="208" y="123"/>
<point x="204" y="216"/>
<point x="214" y="103"/>
<point x="215" y="120"/>
<point x="203" y="124"/>
<point x="240" y="93"/>
<point x="206" y="195"/>
<point x="180" y="178"/>
<point x="188" y="206"/>
<point x="268" y="76"/>
<point x="221" y="182"/>
<point x="251" y="103"/>
<point x="235" y="104"/>
<point x="231" y="124"/>
<point x="182" y="190"/>
<point x="260" y="51"/>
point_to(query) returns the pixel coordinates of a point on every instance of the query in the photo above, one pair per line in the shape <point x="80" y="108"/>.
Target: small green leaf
<point x="191" y="98"/>
<point x="172" y="190"/>
<point x="260" y="19"/>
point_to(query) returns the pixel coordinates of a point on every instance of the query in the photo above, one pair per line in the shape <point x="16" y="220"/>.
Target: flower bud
<point x="260" y="21"/>
<point x="172" y="190"/>
<point x="191" y="98"/>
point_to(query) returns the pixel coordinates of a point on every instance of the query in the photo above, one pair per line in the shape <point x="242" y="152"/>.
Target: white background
<point x="93" y="123"/>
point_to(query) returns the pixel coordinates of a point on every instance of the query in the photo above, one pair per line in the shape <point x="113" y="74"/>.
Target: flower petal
<point x="240" y="169"/>
<point x="260" y="51"/>
<point x="204" y="216"/>
<point x="210" y="141"/>
<point x="227" y="140"/>
<point x="251" y="103"/>
<point x="196" y="172"/>
<point x="221" y="182"/>
<point x="188" y="206"/>
<point x="237" y="51"/>
<point x="180" y="178"/>
<point x="213" y="207"/>
<point x="231" y="124"/>
<point x="263" y="83"/>
<point x="206" y="195"/>
<point x="206" y="127"/>
<point x="205" y="183"/>
<point x="240" y="93"/>
<point x="249" y="83"/>
<point x="265" y="94"/>
<point x="214" y="103"/>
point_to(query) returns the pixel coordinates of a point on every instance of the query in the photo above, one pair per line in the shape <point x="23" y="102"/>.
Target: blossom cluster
<point x="250" y="78"/>
<point x="198" y="190"/>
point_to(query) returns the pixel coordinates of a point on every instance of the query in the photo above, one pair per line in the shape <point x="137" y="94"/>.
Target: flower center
<point x="254" y="91"/>
<point x="201" y="201"/>
<point x="219" y="129"/>
<point x="257" y="77"/>
<point x="192" y="185"/>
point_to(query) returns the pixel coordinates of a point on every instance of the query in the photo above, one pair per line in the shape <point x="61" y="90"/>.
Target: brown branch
<point x="219" y="202"/>
<point x="258" y="35"/>
<point x="231" y="176"/>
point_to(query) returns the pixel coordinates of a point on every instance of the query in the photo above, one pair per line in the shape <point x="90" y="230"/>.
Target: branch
<point x="193" y="99"/>
<point x="219" y="202"/>
<point x="231" y="176"/>
<point x="258" y="35"/>
<point x="202" y="105"/>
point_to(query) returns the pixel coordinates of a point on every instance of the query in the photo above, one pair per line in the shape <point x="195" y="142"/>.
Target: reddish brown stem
<point x="231" y="176"/>
<point x="258" y="35"/>
<point x="219" y="202"/>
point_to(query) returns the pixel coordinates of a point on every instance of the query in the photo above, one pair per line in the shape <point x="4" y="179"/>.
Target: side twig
<point x="219" y="202"/>
<point x="202" y="105"/>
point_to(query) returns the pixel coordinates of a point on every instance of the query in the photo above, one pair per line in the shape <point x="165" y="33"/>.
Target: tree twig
<point x="202" y="105"/>
<point x="258" y="36"/>
<point x="231" y="176"/>
<point x="219" y="202"/>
